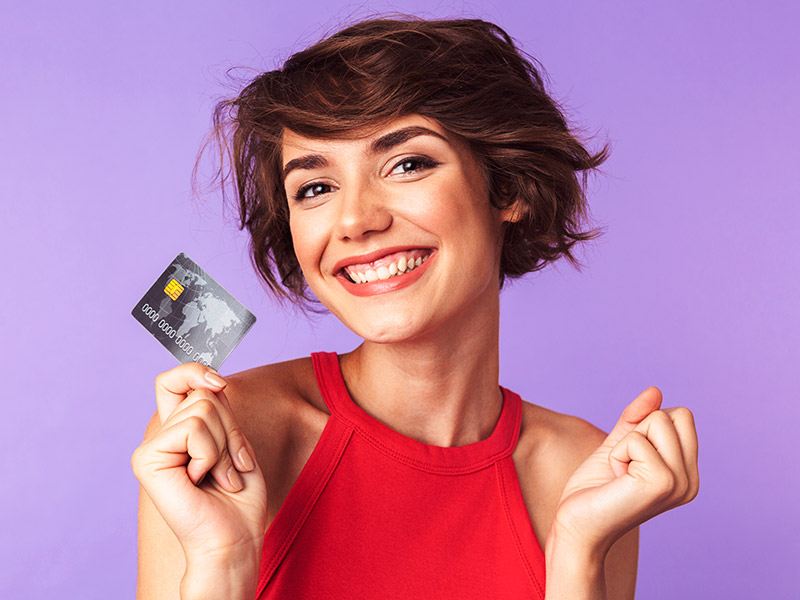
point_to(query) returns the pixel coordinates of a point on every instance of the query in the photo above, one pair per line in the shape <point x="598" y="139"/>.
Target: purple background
<point x="693" y="289"/>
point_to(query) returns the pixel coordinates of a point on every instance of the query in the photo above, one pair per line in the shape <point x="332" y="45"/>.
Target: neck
<point x="441" y="388"/>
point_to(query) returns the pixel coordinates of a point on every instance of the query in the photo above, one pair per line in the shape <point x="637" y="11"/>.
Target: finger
<point x="683" y="420"/>
<point x="636" y="456"/>
<point x="202" y="463"/>
<point x="172" y="386"/>
<point x="173" y="448"/>
<point x="238" y="446"/>
<point x="660" y="431"/>
<point x="645" y="403"/>
<point x="229" y="435"/>
<point x="201" y="404"/>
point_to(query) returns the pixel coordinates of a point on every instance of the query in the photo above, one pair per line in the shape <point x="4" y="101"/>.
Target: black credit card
<point x="193" y="316"/>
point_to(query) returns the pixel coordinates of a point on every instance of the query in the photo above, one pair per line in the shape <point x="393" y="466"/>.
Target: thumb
<point x="645" y="403"/>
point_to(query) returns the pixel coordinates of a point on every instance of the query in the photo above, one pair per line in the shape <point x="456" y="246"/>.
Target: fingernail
<point x="245" y="461"/>
<point x="235" y="479"/>
<point x="215" y="379"/>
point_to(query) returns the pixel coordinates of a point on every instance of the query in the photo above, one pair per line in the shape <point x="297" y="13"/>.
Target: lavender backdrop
<point x="693" y="289"/>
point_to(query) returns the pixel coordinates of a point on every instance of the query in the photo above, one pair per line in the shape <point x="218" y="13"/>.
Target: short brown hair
<point x="468" y="75"/>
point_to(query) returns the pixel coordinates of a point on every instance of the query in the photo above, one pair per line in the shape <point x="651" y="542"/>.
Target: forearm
<point x="574" y="574"/>
<point x="233" y="579"/>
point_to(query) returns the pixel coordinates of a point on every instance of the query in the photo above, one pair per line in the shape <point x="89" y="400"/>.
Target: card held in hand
<point x="193" y="316"/>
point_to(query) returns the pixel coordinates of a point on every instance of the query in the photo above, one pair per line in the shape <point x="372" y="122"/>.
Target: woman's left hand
<point x="647" y="465"/>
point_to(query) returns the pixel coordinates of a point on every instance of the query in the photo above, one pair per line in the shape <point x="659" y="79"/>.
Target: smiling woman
<point x="353" y="83"/>
<point x="400" y="171"/>
<point x="378" y="215"/>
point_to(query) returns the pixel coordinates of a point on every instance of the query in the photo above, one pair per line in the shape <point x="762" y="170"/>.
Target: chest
<point x="282" y="464"/>
<point x="375" y="516"/>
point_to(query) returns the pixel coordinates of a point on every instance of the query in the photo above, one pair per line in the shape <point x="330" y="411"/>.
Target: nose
<point x="362" y="211"/>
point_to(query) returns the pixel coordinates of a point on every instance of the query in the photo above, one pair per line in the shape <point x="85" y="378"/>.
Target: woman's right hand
<point x="200" y="471"/>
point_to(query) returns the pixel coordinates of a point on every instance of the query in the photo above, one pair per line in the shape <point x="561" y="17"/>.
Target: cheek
<point x="304" y="240"/>
<point x="439" y="208"/>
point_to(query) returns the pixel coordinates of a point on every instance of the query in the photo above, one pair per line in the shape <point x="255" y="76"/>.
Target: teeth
<point x="403" y="265"/>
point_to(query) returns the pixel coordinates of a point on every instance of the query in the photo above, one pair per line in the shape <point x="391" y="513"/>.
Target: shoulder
<point x="274" y="403"/>
<point x="275" y="390"/>
<point x="560" y="441"/>
<point x="551" y="446"/>
<point x="281" y="412"/>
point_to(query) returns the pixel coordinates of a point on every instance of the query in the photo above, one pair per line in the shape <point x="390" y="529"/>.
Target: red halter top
<point x="375" y="514"/>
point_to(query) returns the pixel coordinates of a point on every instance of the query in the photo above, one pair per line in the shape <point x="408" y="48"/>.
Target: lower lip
<point x="382" y="286"/>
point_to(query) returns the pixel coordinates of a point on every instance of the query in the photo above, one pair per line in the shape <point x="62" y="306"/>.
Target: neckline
<point x="438" y="459"/>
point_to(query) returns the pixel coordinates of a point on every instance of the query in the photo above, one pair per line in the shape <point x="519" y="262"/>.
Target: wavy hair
<point x="468" y="75"/>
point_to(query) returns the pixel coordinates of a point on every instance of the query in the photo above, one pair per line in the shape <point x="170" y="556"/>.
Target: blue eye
<point x="314" y="188"/>
<point x="413" y="164"/>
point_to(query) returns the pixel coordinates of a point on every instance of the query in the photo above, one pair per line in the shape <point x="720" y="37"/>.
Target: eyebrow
<point x="382" y="144"/>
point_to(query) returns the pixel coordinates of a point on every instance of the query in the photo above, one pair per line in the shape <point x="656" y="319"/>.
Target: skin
<point x="428" y="368"/>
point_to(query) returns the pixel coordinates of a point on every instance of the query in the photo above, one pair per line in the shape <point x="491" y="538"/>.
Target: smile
<point x="392" y="271"/>
<point x="392" y="265"/>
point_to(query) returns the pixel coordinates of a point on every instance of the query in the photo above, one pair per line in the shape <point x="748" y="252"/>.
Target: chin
<point x="386" y="332"/>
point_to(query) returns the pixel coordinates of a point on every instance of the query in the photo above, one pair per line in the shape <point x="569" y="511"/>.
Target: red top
<point x="378" y="515"/>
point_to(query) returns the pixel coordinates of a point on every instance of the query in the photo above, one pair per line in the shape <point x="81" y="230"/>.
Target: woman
<point x="400" y="170"/>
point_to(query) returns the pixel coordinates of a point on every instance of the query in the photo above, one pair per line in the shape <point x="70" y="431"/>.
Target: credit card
<point x="192" y="315"/>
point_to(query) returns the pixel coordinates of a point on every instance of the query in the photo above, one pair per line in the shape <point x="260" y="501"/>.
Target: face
<point x="394" y="232"/>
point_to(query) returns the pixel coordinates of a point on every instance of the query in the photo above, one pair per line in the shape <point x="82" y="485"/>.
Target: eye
<point x="413" y="164"/>
<point x="311" y="190"/>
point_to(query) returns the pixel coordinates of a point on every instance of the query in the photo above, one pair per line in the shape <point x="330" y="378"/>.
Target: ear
<point x="514" y="212"/>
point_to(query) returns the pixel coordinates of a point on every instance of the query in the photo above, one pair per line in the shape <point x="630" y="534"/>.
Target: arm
<point x="162" y="568"/>
<point x="202" y="498"/>
<point x="622" y="563"/>
<point x="644" y="467"/>
<point x="570" y="572"/>
<point x="160" y="557"/>
<point x="574" y="575"/>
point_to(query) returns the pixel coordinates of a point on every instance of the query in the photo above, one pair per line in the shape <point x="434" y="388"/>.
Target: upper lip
<point x="367" y="258"/>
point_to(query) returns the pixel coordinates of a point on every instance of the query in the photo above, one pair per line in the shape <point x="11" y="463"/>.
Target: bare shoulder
<point x="273" y="392"/>
<point x="281" y="412"/>
<point x="551" y="446"/>
<point x="552" y="442"/>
